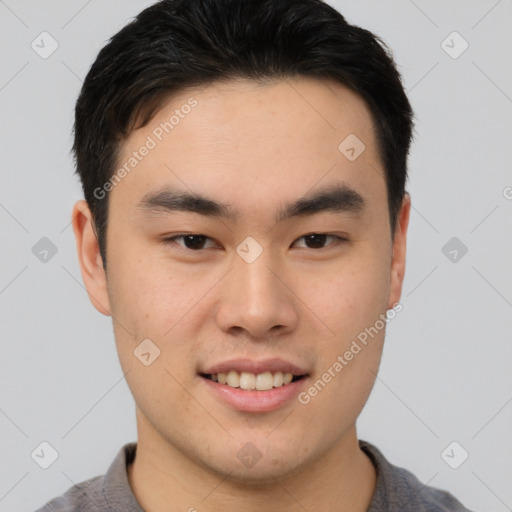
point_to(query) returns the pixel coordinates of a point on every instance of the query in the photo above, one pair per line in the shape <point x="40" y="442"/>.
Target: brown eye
<point x="193" y="242"/>
<point x="318" y="240"/>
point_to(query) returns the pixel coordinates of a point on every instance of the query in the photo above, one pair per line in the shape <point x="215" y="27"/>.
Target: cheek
<point x="351" y="305"/>
<point x="348" y="296"/>
<point x="149" y="296"/>
<point x="159" y="302"/>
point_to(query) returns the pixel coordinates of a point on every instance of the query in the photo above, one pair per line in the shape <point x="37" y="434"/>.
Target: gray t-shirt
<point x="396" y="490"/>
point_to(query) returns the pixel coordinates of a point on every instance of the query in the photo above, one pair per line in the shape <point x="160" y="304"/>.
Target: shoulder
<point x="106" y="493"/>
<point x="87" y="495"/>
<point x="398" y="489"/>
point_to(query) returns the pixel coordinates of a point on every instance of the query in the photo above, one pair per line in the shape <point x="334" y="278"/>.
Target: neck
<point x="342" y="479"/>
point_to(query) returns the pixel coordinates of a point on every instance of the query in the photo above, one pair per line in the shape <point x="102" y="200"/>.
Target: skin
<point x="254" y="147"/>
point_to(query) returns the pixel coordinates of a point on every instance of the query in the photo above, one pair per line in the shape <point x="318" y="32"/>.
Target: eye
<point x="193" y="242"/>
<point x="197" y="242"/>
<point x="317" y="240"/>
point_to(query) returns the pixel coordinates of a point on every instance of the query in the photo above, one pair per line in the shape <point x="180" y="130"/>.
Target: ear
<point x="399" y="250"/>
<point x="91" y="263"/>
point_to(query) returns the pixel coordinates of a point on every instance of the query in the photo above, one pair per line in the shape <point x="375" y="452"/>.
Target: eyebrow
<point x="335" y="198"/>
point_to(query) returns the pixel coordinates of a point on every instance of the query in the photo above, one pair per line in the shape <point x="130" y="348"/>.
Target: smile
<point x="251" y="381"/>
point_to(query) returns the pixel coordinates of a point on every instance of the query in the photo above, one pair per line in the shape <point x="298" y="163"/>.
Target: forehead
<point x="263" y="142"/>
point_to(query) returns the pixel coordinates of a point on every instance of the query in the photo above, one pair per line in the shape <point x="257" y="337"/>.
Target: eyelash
<point x="171" y="240"/>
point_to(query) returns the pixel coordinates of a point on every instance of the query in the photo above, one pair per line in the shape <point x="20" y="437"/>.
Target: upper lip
<point x="256" y="367"/>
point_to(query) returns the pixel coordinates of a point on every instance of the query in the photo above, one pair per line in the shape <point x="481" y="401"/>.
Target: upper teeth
<point x="246" y="380"/>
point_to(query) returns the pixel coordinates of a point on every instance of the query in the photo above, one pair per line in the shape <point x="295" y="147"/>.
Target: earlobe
<point x="399" y="252"/>
<point x="89" y="257"/>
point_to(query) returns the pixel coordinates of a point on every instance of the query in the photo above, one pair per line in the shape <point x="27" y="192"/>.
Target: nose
<point x="256" y="298"/>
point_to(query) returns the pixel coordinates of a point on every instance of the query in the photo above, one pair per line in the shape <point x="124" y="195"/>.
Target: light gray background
<point x="445" y="374"/>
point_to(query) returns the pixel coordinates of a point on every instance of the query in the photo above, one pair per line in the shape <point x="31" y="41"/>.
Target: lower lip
<point x="256" y="401"/>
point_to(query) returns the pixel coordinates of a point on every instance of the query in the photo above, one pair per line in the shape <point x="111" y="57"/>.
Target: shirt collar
<point x="116" y="487"/>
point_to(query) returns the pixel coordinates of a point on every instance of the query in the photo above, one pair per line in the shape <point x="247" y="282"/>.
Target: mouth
<point x="250" y="381"/>
<point x="248" y="385"/>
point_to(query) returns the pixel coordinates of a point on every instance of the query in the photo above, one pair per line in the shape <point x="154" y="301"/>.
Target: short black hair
<point x="175" y="44"/>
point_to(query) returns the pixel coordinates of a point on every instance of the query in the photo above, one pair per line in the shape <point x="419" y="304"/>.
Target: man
<point x="245" y="218"/>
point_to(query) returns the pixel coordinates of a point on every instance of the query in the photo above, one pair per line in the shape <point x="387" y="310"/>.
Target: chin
<point x="266" y="474"/>
<point x="247" y="467"/>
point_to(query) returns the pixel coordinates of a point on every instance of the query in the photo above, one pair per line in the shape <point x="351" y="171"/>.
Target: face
<point x="279" y="262"/>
